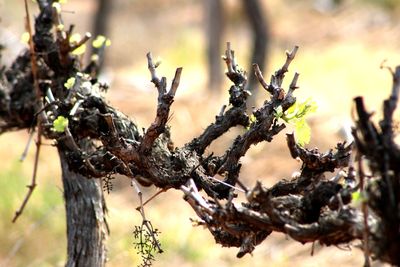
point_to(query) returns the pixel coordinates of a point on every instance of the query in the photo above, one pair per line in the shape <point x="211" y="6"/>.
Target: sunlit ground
<point x="339" y="58"/>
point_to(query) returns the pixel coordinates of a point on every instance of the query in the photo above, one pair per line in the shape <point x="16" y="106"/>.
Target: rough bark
<point x="86" y="224"/>
<point x="21" y="108"/>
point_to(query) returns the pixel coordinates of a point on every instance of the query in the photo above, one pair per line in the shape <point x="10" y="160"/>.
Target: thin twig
<point x="280" y="74"/>
<point x="364" y="209"/>
<point x="289" y="57"/>
<point x="32" y="186"/>
<point x="152" y="197"/>
<point x="81" y="42"/>
<point x="175" y="82"/>
<point x="293" y="85"/>
<point x="145" y="222"/>
<point x="222" y="182"/>
<point x="189" y="192"/>
<point x="260" y="77"/>
<point x="229" y="58"/>
<point x="245" y="189"/>
<point x="152" y="69"/>
<point x="28" y="144"/>
<point x="140" y="194"/>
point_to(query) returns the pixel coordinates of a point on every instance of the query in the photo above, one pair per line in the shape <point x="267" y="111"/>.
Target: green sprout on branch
<point x="296" y="116"/>
<point x="60" y="124"/>
<point x="74" y="39"/>
<point x="100" y="41"/>
<point x="69" y="83"/>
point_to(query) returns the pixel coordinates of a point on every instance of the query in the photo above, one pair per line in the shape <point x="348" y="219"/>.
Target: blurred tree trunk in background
<point x="101" y="22"/>
<point x="259" y="27"/>
<point x="258" y="23"/>
<point x="87" y="228"/>
<point x="214" y="25"/>
<point x="102" y="17"/>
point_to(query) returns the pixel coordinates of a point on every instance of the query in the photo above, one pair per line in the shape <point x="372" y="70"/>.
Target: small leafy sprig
<point x="296" y="116"/>
<point x="147" y="242"/>
<point x="59" y="124"/>
<point x="107" y="183"/>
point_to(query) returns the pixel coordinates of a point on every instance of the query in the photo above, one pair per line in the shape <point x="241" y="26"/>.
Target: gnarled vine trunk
<point x="86" y="224"/>
<point x="47" y="84"/>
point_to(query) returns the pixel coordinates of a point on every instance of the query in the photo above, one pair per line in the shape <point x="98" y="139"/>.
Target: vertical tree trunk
<point x="102" y="17"/>
<point x="101" y="23"/>
<point x="214" y="23"/>
<point x="259" y="26"/>
<point x="86" y="224"/>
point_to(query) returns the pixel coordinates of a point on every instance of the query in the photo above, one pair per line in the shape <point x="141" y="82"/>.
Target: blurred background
<point x="342" y="46"/>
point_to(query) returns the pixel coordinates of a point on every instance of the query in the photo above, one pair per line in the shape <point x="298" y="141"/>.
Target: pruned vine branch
<point x="308" y="207"/>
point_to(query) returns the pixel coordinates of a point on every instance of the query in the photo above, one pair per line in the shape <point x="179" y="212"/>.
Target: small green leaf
<point x="291" y="112"/>
<point x="75" y="39"/>
<point x="57" y="7"/>
<point x="303" y="132"/>
<point x="60" y="27"/>
<point x="100" y="41"/>
<point x="356" y="196"/>
<point x="278" y="112"/>
<point x="252" y="119"/>
<point x="158" y="62"/>
<point x="69" y="83"/>
<point x="60" y="124"/>
<point x="25" y="37"/>
<point x="306" y="107"/>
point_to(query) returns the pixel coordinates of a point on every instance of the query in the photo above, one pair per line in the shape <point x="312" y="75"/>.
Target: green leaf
<point x="60" y="124"/>
<point x="57" y="7"/>
<point x="291" y="112"/>
<point x="69" y="83"/>
<point x="278" y="112"/>
<point x="306" y="107"/>
<point x="303" y="132"/>
<point x="295" y="115"/>
<point x="252" y="119"/>
<point x="100" y="41"/>
<point x="358" y="197"/>
<point x="75" y="39"/>
<point x="25" y="38"/>
<point x="299" y="110"/>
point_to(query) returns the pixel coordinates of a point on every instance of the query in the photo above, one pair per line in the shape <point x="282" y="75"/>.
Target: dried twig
<point x="163" y="190"/>
<point x="260" y="77"/>
<point x="165" y="100"/>
<point x="364" y="208"/>
<point x="40" y="118"/>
